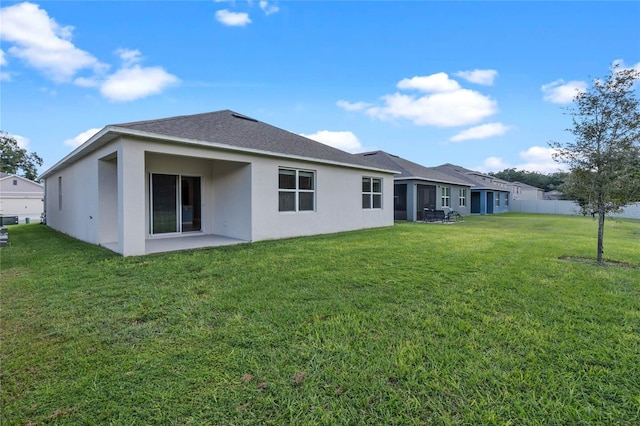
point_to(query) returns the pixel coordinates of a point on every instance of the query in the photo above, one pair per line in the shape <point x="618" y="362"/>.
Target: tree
<point x="604" y="159"/>
<point x="16" y="159"/>
<point x="546" y="182"/>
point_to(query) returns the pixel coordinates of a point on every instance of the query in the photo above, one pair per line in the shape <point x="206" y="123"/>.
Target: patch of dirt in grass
<point x="14" y="273"/>
<point x="299" y="378"/>
<point x="591" y="261"/>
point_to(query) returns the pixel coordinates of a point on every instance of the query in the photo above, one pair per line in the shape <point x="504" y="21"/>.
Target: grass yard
<point x="494" y="320"/>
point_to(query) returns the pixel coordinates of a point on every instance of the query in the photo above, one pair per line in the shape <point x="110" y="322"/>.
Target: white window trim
<point x="371" y="193"/>
<point x="462" y="199"/>
<point x="445" y="199"/>
<point x="298" y="191"/>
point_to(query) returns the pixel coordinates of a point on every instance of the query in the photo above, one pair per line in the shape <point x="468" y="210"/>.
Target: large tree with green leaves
<point x="604" y="158"/>
<point x="16" y="160"/>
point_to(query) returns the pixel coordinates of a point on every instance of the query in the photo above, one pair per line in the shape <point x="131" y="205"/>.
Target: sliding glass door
<point x="175" y="203"/>
<point x="191" y="208"/>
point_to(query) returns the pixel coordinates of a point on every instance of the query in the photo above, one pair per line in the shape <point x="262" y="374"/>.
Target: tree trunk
<point x="601" y="214"/>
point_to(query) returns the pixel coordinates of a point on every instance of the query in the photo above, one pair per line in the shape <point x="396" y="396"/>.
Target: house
<point x="523" y="191"/>
<point x="553" y="195"/>
<point x="210" y="179"/>
<point x="417" y="188"/>
<point x="489" y="194"/>
<point x="20" y="197"/>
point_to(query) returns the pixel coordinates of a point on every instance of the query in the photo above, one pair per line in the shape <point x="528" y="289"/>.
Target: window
<point x="506" y="200"/>
<point x="15" y="182"/>
<point x="446" y="192"/>
<point x="60" y="193"/>
<point x="371" y="193"/>
<point x="497" y="199"/>
<point x="296" y="190"/>
<point x="462" y="199"/>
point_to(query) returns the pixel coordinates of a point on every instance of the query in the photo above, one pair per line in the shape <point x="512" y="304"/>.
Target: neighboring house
<point x="20" y="197"/>
<point x="553" y="195"/>
<point x="489" y="194"/>
<point x="523" y="191"/>
<point x="210" y="179"/>
<point x="418" y="188"/>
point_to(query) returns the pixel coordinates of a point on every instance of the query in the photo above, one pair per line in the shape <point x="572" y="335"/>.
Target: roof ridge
<point x="178" y="117"/>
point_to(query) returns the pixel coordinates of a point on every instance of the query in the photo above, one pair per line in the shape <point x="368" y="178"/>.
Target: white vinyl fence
<point x="565" y="207"/>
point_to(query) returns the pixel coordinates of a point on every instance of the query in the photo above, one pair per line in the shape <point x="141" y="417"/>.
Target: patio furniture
<point x="453" y="216"/>
<point x="434" y="215"/>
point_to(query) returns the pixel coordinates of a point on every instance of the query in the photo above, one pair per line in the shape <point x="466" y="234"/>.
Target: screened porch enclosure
<point x="426" y="200"/>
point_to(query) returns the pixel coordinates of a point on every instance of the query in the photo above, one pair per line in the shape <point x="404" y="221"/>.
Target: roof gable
<point x="409" y="169"/>
<point x="477" y="179"/>
<point x="222" y="130"/>
<point x="23" y="184"/>
<point x="526" y="186"/>
<point x="239" y="131"/>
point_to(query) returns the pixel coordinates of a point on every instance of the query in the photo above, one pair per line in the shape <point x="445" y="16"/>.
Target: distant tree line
<point x="546" y="182"/>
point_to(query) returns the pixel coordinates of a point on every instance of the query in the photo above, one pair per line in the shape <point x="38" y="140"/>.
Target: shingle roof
<point x="476" y="179"/>
<point x="238" y="131"/>
<point x="411" y="170"/>
<point x="525" y="185"/>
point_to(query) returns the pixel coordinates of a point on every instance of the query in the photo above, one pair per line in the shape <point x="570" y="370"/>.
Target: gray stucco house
<point x="489" y="195"/>
<point x="523" y="191"/>
<point x="209" y="179"/>
<point x="417" y="188"/>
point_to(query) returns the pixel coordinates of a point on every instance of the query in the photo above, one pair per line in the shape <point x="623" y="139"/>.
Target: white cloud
<point x="44" y="44"/>
<point x="483" y="77"/>
<point x="81" y="138"/>
<point x="435" y="83"/>
<point x="93" y="81"/>
<point x="492" y="164"/>
<point x="539" y="159"/>
<point x="561" y="92"/>
<point x="4" y="76"/>
<point x="21" y="140"/>
<point x="345" y="140"/>
<point x="535" y="159"/>
<point x="621" y="64"/>
<point x="131" y="83"/>
<point x="267" y="8"/>
<point x="444" y="103"/>
<point x="233" y="19"/>
<point x="457" y="108"/>
<point x="353" y="106"/>
<point x="481" y="132"/>
<point x="129" y="56"/>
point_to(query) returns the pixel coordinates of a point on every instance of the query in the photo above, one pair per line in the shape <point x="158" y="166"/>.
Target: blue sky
<point x="478" y="84"/>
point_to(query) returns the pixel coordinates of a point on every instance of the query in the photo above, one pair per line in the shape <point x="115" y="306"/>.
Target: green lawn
<point x="494" y="320"/>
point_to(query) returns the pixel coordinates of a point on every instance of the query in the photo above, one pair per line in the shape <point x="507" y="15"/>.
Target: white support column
<point x="131" y="199"/>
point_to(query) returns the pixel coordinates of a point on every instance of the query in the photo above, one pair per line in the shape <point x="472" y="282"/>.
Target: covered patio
<point x="181" y="242"/>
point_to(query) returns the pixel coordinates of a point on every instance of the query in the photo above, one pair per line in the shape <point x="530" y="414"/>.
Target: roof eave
<point x="93" y="143"/>
<point x="100" y="139"/>
<point x="435" y="180"/>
